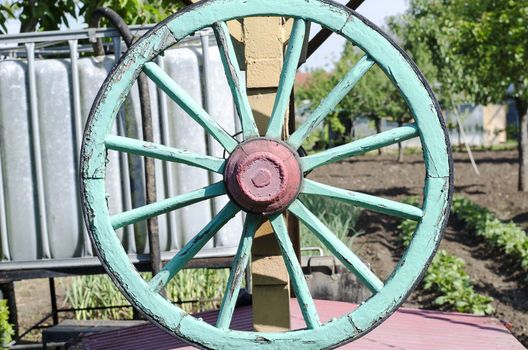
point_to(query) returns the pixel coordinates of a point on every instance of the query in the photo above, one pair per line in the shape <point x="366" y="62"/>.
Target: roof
<point x="406" y="329"/>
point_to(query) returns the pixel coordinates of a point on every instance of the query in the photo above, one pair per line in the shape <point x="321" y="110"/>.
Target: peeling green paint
<point x="387" y="295"/>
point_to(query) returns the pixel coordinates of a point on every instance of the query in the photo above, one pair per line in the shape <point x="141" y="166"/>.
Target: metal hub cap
<point x="263" y="176"/>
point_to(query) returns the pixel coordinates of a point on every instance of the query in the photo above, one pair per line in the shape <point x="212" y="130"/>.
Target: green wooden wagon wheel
<point x="263" y="175"/>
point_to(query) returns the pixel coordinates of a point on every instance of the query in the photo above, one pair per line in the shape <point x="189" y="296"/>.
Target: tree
<point x="480" y="51"/>
<point x="49" y="15"/>
<point x="374" y="97"/>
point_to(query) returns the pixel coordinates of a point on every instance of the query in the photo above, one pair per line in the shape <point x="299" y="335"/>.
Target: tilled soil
<point x="495" y="189"/>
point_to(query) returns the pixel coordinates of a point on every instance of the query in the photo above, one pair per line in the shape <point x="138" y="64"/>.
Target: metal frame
<point x="15" y="270"/>
<point x="38" y="43"/>
<point x="73" y="34"/>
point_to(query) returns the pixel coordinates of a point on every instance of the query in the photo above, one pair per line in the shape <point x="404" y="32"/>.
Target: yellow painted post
<point x="263" y="39"/>
<point x="259" y="42"/>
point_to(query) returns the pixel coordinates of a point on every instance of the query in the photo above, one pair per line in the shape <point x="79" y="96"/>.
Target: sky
<point x="375" y="10"/>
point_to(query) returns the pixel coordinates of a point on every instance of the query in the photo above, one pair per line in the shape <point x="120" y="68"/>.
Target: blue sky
<point x="374" y="10"/>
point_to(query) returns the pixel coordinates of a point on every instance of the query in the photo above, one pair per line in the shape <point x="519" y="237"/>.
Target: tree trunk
<point x="522" y="107"/>
<point x="377" y="123"/>
<point x="30" y="24"/>
<point x="459" y="133"/>
<point x="400" y="146"/>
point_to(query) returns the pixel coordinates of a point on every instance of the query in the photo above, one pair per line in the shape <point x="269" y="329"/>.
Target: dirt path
<point x="494" y="189"/>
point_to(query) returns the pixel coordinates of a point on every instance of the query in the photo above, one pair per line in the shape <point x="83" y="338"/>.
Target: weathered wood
<point x="429" y="127"/>
<point x="361" y="146"/>
<point x="363" y="200"/>
<point x="302" y="292"/>
<point x="337" y="247"/>
<point x="287" y="78"/>
<point x="263" y="51"/>
<point x="158" y="151"/>
<point x="236" y="275"/>
<point x="192" y="247"/>
<point x="166" y="205"/>
<point x="321" y="37"/>
<point x="235" y="79"/>
<point x="186" y="102"/>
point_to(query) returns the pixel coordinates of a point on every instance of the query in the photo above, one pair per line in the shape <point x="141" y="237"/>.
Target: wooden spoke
<point x="331" y="101"/>
<point x="337" y="247"/>
<point x="166" y="205"/>
<point x="295" y="272"/>
<point x="380" y="205"/>
<point x="361" y="146"/>
<point x="154" y="150"/>
<point x="235" y="79"/>
<point x="237" y="272"/>
<point x="193" y="247"/>
<point x="195" y="111"/>
<point x="287" y="78"/>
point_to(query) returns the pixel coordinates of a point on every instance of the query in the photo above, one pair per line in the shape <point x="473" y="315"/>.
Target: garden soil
<point x="496" y="189"/>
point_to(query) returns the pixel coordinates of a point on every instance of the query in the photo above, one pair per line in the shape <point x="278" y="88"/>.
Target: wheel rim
<point x="431" y="218"/>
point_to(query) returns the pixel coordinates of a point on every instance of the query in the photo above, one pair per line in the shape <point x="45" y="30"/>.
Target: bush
<point x="6" y="329"/>
<point x="446" y="275"/>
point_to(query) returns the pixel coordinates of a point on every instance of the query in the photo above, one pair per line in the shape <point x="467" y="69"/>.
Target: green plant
<point x="407" y="228"/>
<point x="338" y="216"/>
<point x="204" y="287"/>
<point x="195" y="289"/>
<point x="447" y="278"/>
<point x="506" y="236"/>
<point x="6" y="329"/>
<point x="96" y="291"/>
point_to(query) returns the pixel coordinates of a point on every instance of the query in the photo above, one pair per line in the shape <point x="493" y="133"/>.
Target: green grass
<point x="338" y="216"/>
<point x="195" y="289"/>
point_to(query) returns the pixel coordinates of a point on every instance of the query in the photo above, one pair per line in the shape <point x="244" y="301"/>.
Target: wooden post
<point x="263" y="39"/>
<point x="259" y="42"/>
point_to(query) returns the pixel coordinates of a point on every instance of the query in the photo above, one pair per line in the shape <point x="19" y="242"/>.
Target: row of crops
<point x="446" y="276"/>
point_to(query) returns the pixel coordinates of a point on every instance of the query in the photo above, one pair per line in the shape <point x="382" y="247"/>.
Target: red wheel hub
<point x="263" y="176"/>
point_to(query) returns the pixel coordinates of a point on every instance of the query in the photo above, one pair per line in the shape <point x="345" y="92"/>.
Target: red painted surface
<point x="410" y="329"/>
<point x="263" y="176"/>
